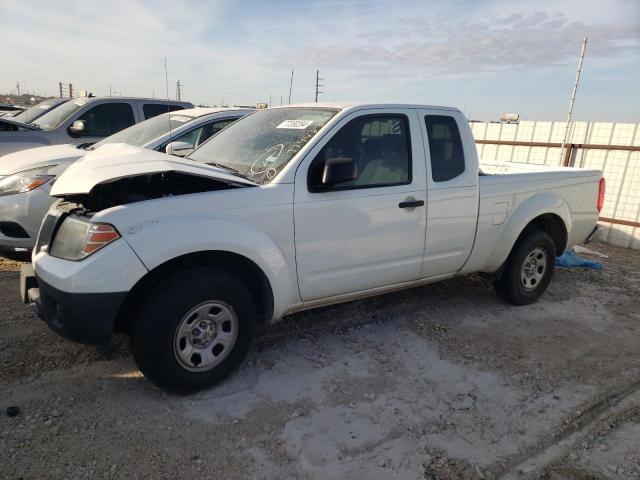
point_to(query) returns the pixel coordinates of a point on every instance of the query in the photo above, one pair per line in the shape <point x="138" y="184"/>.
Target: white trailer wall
<point x="621" y="168"/>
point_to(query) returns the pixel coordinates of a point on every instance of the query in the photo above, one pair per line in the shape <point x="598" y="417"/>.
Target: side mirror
<point x="339" y="170"/>
<point x="78" y="127"/>
<point x="179" y="149"/>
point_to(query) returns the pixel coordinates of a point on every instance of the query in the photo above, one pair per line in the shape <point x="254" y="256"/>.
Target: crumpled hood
<point x="39" y="157"/>
<point x="118" y="160"/>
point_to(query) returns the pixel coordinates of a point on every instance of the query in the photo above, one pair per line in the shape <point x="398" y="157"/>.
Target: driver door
<point x="101" y="121"/>
<point x="368" y="232"/>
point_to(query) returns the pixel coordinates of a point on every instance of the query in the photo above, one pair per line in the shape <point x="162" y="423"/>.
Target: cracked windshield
<point x="259" y="146"/>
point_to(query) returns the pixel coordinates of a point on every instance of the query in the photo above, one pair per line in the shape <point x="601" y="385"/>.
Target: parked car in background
<point x="36" y="111"/>
<point x="26" y="176"/>
<point x="288" y="209"/>
<point x="10" y="110"/>
<point x="84" y="120"/>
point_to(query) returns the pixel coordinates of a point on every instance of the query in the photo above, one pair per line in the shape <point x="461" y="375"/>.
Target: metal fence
<point x="613" y="148"/>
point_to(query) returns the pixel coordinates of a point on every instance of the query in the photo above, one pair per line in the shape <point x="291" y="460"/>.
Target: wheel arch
<point x="546" y="211"/>
<point x="232" y="263"/>
<point x="550" y="223"/>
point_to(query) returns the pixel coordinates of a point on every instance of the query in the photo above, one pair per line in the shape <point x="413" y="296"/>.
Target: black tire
<point x="511" y="287"/>
<point x="164" y="310"/>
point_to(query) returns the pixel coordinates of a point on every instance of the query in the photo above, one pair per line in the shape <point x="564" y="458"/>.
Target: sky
<point x="486" y="57"/>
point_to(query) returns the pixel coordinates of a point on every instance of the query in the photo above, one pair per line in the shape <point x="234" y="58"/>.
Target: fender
<point x="165" y="238"/>
<point x="540" y="204"/>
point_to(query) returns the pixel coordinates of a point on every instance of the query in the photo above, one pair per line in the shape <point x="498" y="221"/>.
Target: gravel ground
<point x="437" y="382"/>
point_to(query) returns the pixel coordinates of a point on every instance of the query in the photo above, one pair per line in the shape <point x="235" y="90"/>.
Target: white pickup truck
<point x="288" y="209"/>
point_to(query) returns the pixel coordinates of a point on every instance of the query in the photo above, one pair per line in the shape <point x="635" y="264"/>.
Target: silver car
<point x="26" y="176"/>
<point x="82" y="120"/>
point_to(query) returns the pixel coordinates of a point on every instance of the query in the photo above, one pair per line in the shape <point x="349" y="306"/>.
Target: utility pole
<point x="571" y="102"/>
<point x="318" y="85"/>
<point x="270" y="100"/>
<point x="18" y="87"/>
<point x="71" y="90"/>
<point x="110" y="90"/>
<point x="290" y="87"/>
<point x="166" y="77"/>
<point x="60" y="87"/>
<point x="178" y="91"/>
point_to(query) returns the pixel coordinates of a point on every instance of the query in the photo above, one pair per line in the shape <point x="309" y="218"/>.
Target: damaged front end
<point x="119" y="174"/>
<point x="139" y="188"/>
<point x="70" y="230"/>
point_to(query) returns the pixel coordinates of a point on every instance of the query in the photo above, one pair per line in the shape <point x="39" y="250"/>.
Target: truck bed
<point x="506" y="187"/>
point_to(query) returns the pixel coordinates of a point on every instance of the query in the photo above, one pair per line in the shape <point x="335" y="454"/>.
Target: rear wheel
<point x="195" y="328"/>
<point x="528" y="270"/>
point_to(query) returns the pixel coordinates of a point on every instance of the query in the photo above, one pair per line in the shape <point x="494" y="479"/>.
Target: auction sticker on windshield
<point x="295" y="124"/>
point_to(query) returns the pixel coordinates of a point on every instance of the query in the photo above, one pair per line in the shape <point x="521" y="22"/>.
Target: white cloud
<point x="244" y="51"/>
<point x="491" y="44"/>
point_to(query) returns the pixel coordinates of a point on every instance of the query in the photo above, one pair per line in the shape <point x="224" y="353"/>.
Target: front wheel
<point x="528" y="270"/>
<point x="195" y="328"/>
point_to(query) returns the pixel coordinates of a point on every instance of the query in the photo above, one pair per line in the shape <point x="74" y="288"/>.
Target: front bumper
<point x="82" y="317"/>
<point x="22" y="211"/>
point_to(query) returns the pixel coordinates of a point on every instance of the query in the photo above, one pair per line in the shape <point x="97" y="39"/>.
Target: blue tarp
<point x="570" y="259"/>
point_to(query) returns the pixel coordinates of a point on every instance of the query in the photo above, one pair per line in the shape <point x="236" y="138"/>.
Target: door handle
<point x="411" y="203"/>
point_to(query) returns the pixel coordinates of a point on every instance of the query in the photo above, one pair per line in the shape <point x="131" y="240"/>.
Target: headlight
<point x="25" y="181"/>
<point x="77" y="239"/>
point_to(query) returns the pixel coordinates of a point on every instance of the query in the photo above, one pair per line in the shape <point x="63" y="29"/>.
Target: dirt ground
<point x="437" y="382"/>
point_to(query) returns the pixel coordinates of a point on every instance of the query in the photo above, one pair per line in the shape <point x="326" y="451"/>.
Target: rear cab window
<point x="445" y="147"/>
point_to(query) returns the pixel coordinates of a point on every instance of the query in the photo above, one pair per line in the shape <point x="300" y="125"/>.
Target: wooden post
<point x="567" y="155"/>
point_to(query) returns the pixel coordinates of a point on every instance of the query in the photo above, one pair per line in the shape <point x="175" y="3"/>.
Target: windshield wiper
<point x="235" y="171"/>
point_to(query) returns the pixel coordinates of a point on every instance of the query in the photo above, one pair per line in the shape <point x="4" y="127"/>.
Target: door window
<point x="379" y="145"/>
<point x="152" y="109"/>
<point x="445" y="147"/>
<point x="201" y="134"/>
<point x="106" y="119"/>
